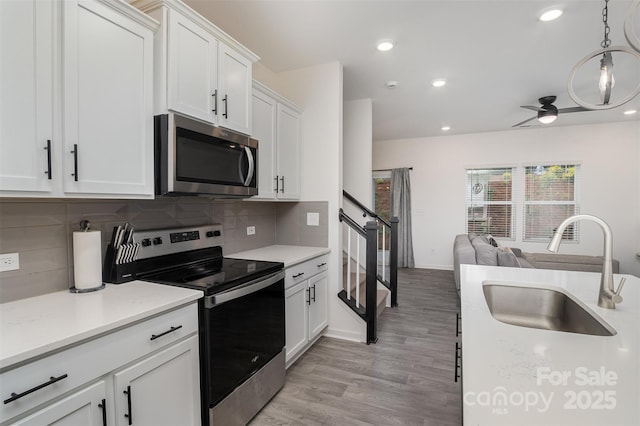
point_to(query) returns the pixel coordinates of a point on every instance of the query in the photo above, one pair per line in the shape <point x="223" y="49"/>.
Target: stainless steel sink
<point x="543" y="308"/>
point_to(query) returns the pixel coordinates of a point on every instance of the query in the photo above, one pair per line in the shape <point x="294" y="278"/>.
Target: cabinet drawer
<point x="305" y="270"/>
<point x="42" y="380"/>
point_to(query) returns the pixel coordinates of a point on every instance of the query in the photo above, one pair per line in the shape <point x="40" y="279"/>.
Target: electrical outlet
<point x="313" y="219"/>
<point x="251" y="230"/>
<point x="9" y="262"/>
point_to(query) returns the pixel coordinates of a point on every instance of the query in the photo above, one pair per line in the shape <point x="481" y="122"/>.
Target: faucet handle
<point x="616" y="296"/>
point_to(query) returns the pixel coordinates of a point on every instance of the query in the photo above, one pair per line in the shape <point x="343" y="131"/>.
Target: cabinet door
<point x="288" y="133"/>
<point x="192" y="75"/>
<point x="296" y="312"/>
<point x="235" y="90"/>
<point x="108" y="94"/>
<point x="263" y="124"/>
<point x="26" y="94"/>
<point x="163" y="389"/>
<point x="318" y="309"/>
<point x="86" y="407"/>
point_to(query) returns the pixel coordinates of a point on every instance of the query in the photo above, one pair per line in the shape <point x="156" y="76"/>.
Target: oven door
<point x="244" y="330"/>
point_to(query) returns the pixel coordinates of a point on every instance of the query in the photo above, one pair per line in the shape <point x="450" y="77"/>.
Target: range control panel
<point x="159" y="242"/>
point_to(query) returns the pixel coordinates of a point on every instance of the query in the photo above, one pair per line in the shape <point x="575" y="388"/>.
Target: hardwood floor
<point x="404" y="379"/>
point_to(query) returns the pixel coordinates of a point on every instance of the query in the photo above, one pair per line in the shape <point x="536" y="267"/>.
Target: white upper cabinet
<point x="235" y="90"/>
<point x="27" y="141"/>
<point x="107" y="101"/>
<point x="200" y="71"/>
<point x="192" y="69"/>
<point x="277" y="126"/>
<point x="76" y="99"/>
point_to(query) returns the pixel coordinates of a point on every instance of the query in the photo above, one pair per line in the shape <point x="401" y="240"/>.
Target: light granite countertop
<point x="515" y="375"/>
<point x="35" y="326"/>
<point x="289" y="255"/>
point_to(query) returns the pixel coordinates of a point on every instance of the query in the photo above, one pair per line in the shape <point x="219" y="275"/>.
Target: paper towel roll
<point x="87" y="259"/>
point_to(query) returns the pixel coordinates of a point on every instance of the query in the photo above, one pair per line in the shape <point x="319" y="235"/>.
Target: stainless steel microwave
<point x="195" y="158"/>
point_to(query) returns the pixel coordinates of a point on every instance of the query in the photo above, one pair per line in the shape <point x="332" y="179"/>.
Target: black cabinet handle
<point x="128" y="414"/>
<point x="171" y="330"/>
<point x="215" y="102"/>
<point x="51" y="381"/>
<point x="298" y="275"/>
<point x="308" y="296"/>
<point x="322" y="264"/>
<point x="458" y="332"/>
<point x="282" y="180"/>
<point x="314" y="293"/>
<point x="75" y="162"/>
<point x="226" y="111"/>
<point x="103" y="405"/>
<point x="276" y="179"/>
<point x="48" y="148"/>
<point x="457" y="365"/>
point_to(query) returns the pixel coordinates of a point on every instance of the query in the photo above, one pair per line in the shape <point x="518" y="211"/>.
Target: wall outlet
<point x="9" y="262"/>
<point x="251" y="230"/>
<point x="313" y="219"/>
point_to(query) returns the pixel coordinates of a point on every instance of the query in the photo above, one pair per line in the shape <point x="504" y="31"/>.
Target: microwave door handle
<point x="251" y="170"/>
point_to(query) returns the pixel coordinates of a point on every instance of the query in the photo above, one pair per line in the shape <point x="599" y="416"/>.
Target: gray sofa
<point x="479" y="250"/>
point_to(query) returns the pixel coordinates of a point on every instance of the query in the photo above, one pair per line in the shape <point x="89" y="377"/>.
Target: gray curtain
<point x="401" y="208"/>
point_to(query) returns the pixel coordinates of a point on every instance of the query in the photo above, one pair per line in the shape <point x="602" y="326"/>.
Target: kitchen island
<point x="514" y="375"/>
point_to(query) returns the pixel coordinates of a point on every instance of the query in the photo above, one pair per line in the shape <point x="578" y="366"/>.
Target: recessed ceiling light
<point x="439" y="82"/>
<point x="630" y="112"/>
<point x="446" y="128"/>
<point x="385" y="45"/>
<point x="392" y="84"/>
<point x="550" y="15"/>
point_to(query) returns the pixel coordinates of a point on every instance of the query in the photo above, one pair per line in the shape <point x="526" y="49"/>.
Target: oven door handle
<point x="246" y="289"/>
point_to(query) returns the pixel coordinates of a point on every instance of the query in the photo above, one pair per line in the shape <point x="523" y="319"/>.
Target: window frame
<point x="575" y="202"/>
<point x="470" y="203"/>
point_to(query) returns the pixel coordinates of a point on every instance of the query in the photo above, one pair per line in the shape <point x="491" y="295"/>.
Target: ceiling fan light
<point x="547" y="117"/>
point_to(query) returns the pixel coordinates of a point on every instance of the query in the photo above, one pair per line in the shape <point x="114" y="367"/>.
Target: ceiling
<point x="495" y="54"/>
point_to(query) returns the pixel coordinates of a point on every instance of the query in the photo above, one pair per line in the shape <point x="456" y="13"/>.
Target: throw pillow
<point x="507" y="258"/>
<point x="492" y="240"/>
<point x="486" y="254"/>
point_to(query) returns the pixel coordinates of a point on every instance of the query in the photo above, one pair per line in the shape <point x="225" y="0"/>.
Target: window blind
<point x="489" y="200"/>
<point x="551" y="196"/>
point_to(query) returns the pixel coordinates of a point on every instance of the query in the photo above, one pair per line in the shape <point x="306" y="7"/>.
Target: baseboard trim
<point x="342" y="335"/>
<point x="441" y="267"/>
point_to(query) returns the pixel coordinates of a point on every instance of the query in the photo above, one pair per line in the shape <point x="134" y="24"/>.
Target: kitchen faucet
<point x="607" y="297"/>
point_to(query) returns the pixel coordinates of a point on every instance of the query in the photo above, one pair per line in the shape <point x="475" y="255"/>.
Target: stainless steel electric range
<point x="241" y="317"/>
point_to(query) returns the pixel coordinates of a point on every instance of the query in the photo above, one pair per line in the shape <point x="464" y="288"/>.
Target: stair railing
<point x="368" y="310"/>
<point x="391" y="228"/>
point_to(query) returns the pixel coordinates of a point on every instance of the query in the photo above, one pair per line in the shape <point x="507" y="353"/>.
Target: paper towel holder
<point x="85" y="225"/>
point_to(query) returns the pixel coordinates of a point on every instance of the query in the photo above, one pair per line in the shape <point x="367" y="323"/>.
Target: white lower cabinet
<point x="306" y="308"/>
<point x="161" y="389"/>
<point x="86" y="407"/>
<point x="144" y="374"/>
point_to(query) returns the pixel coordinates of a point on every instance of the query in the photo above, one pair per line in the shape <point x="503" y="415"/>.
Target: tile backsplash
<point x="41" y="231"/>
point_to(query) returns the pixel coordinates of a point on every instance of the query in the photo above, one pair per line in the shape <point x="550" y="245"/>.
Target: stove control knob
<point x="157" y="241"/>
<point x="146" y="242"/>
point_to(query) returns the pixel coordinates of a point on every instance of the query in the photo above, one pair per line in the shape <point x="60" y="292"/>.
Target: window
<point x="490" y="207"/>
<point x="551" y="196"/>
<point x="382" y="201"/>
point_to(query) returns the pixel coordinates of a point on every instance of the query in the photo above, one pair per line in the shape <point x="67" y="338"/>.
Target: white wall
<point x="609" y="155"/>
<point x="318" y="90"/>
<point x="357" y="149"/>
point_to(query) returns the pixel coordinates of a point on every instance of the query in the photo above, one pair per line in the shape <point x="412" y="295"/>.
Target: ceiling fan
<point x="547" y="113"/>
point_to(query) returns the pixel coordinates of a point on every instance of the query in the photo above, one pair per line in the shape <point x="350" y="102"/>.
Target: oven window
<point x="242" y="335"/>
<point x="206" y="159"/>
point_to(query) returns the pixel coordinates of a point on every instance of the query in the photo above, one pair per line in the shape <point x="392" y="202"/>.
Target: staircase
<point x="365" y="289"/>
<point x="381" y="294"/>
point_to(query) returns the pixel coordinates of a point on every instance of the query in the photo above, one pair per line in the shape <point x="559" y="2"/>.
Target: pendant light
<point x="607" y="80"/>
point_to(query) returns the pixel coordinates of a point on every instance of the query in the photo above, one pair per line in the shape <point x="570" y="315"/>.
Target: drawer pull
<point x="171" y="330"/>
<point x="103" y="406"/>
<point x="128" y="414"/>
<point x="322" y="264"/>
<point x="298" y="275"/>
<point x="51" y="381"/>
